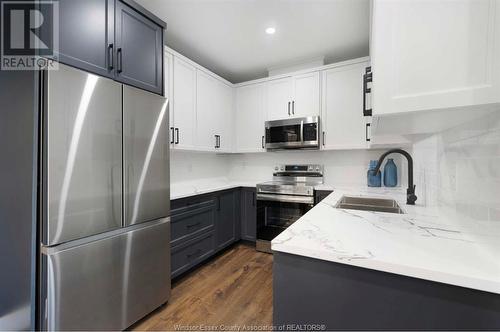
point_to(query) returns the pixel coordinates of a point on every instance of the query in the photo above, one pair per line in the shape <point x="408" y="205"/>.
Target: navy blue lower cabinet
<point x="226" y="220"/>
<point x="191" y="221"/>
<point x="192" y="252"/>
<point x="320" y="195"/>
<point x="345" y="297"/>
<point x="202" y="225"/>
<point x="248" y="215"/>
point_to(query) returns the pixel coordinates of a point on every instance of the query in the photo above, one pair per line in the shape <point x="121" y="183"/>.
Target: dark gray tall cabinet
<point x="118" y="39"/>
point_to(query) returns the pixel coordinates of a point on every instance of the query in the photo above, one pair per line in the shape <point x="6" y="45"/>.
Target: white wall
<point x="460" y="169"/>
<point x="341" y="167"/>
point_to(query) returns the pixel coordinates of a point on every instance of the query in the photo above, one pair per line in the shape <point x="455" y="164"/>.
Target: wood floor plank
<point x="235" y="288"/>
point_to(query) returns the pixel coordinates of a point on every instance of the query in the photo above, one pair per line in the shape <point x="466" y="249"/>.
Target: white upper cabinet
<point x="306" y="101"/>
<point x="168" y="92"/>
<point x="206" y="104"/>
<point x="279" y="98"/>
<point x="223" y="114"/>
<point x="439" y="54"/>
<point x="184" y="105"/>
<point x="343" y="123"/>
<point x="214" y="114"/>
<point x="250" y="118"/>
<point x="295" y="96"/>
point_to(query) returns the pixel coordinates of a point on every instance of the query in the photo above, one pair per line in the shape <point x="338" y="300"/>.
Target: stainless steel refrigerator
<point x="104" y="198"/>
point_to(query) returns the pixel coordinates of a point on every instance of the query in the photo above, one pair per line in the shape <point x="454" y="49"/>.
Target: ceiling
<point x="228" y="36"/>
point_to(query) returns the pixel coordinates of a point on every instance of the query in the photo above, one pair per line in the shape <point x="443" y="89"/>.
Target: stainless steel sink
<point x="369" y="204"/>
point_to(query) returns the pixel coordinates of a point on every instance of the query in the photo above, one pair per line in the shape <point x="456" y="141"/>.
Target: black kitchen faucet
<point x="410" y="192"/>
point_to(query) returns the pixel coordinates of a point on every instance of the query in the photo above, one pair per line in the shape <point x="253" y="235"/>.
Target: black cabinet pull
<point x="263" y="146"/>
<point x="288" y="108"/>
<point x="293" y="107"/>
<point x="194" y="253"/>
<point x="119" y="60"/>
<point x="193" y="225"/>
<point x="367" y="78"/>
<point x="111" y="64"/>
<point x="368" y="125"/>
<point x="177" y="135"/>
<point x="218" y="144"/>
<point x="323" y="138"/>
<point x="172" y="132"/>
<point x="216" y="141"/>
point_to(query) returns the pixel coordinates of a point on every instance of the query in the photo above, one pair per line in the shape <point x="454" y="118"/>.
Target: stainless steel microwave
<point x="297" y="133"/>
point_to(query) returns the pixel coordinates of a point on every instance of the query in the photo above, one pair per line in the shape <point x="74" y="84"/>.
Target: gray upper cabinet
<point x="139" y="49"/>
<point x="118" y="39"/>
<point x="86" y="35"/>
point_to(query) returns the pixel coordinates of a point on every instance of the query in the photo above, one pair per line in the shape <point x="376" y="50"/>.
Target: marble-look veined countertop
<point x="205" y="186"/>
<point x="428" y="243"/>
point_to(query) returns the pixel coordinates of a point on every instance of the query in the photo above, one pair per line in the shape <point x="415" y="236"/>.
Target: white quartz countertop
<point x="427" y="243"/>
<point x="205" y="186"/>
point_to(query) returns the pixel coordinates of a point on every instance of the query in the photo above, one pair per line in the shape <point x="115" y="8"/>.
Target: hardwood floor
<point x="233" y="289"/>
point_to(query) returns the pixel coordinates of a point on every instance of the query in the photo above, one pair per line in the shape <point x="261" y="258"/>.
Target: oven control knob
<point x="310" y="168"/>
<point x="282" y="168"/>
<point x="276" y="168"/>
<point x="317" y="169"/>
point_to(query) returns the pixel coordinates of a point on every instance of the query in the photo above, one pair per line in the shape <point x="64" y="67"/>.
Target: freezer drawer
<point x="82" y="153"/>
<point x="109" y="283"/>
<point x="146" y="156"/>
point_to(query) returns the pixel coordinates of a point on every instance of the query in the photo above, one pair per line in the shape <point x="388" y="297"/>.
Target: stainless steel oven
<point x="297" y="133"/>
<point x="283" y="201"/>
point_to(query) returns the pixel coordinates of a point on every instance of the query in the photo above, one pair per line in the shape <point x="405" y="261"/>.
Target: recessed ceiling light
<point x="270" y="31"/>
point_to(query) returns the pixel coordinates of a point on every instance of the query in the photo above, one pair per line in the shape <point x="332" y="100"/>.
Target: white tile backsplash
<point x="341" y="167"/>
<point x="459" y="168"/>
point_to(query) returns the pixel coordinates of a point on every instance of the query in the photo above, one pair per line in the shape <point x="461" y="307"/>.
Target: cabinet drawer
<point x="191" y="253"/>
<point x="191" y="221"/>
<point x="177" y="205"/>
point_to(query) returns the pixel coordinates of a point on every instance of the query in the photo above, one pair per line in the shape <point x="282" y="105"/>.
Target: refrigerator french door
<point x="105" y="227"/>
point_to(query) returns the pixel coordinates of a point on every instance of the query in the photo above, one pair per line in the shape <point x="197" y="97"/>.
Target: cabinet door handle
<point x="263" y="146"/>
<point x="367" y="77"/>
<point x="368" y="125"/>
<point x="177" y="135"/>
<point x="111" y="64"/>
<point x="172" y="132"/>
<point x="119" y="60"/>
<point x="323" y="138"/>
<point x="288" y="108"/>
<point x="293" y="107"/>
<point x="216" y="145"/>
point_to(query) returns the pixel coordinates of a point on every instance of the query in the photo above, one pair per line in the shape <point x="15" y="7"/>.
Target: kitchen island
<point x="425" y="269"/>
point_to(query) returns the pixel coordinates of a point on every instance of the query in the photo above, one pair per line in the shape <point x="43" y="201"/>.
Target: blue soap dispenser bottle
<point x="390" y="174"/>
<point x="374" y="180"/>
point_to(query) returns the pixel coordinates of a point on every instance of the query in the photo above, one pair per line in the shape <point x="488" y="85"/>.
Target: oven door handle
<point x="286" y="198"/>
